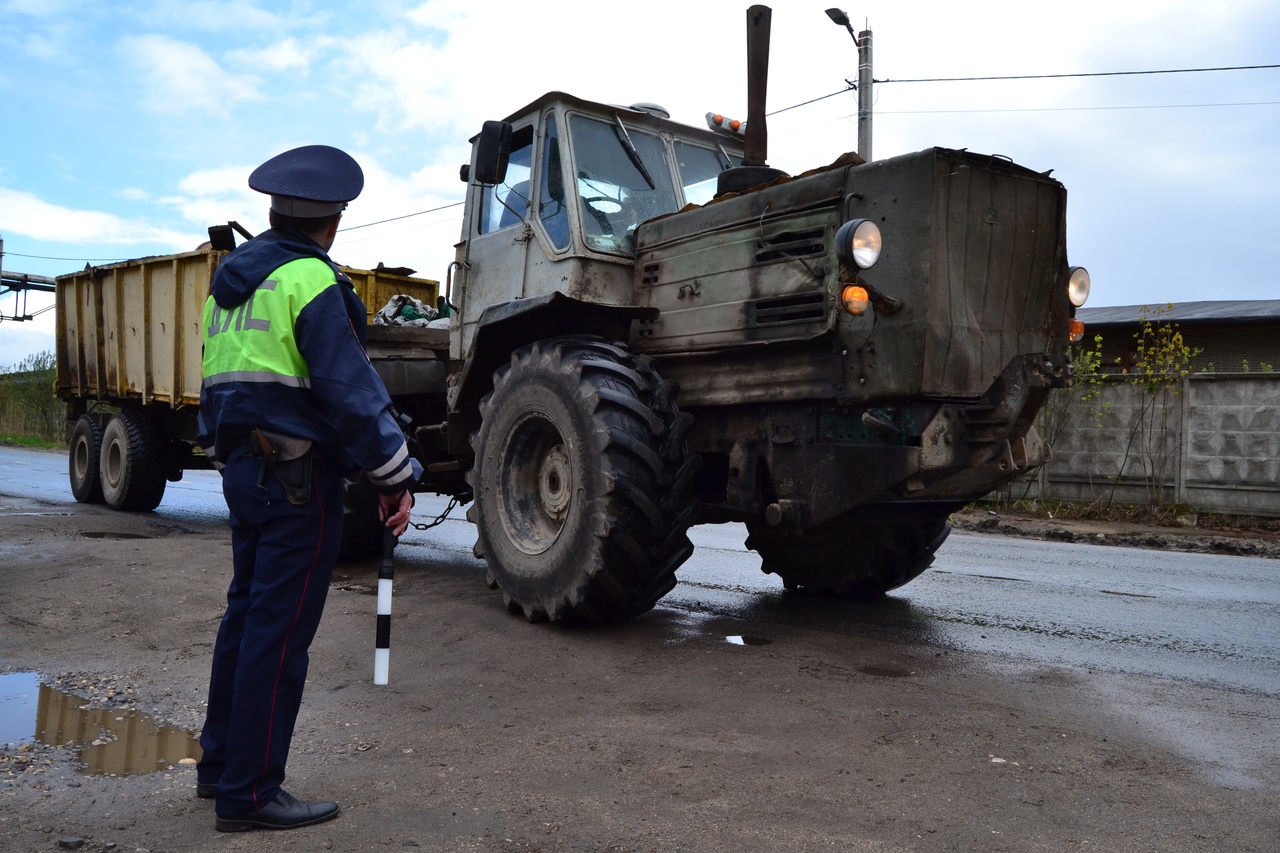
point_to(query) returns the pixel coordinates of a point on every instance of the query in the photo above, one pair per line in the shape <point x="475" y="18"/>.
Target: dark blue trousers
<point x="283" y="562"/>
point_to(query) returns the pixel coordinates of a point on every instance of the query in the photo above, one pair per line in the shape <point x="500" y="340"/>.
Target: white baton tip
<point x="381" y="663"/>
<point x="384" y="597"/>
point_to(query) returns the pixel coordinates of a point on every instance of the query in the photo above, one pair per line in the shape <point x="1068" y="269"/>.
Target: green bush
<point x="28" y="408"/>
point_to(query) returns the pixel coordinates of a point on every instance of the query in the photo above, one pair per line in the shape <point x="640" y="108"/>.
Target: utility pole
<point x="18" y="283"/>
<point x="863" y="42"/>
<point x="864" y="94"/>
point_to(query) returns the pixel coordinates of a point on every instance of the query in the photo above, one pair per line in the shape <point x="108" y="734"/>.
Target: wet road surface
<point x="1208" y="625"/>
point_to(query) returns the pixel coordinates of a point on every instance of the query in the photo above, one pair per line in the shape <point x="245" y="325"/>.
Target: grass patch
<point x="1161" y="516"/>
<point x="16" y="440"/>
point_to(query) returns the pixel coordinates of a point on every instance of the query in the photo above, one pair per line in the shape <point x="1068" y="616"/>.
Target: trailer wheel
<point x="132" y="463"/>
<point x="83" y="461"/>
<point x="847" y="558"/>
<point x="582" y="482"/>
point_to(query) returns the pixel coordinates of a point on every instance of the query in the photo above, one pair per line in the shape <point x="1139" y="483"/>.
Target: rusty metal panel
<point x="998" y="251"/>
<point x="132" y="330"/>
<point x="763" y="374"/>
<point x="377" y="286"/>
<point x="741" y="271"/>
<point x="883" y="356"/>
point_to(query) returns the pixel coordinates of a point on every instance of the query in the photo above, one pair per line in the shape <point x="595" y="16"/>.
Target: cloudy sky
<point x="130" y="127"/>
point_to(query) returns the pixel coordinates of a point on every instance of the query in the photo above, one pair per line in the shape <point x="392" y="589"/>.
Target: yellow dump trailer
<point x="128" y="340"/>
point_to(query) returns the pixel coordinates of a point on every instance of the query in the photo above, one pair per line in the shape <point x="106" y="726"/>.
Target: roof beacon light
<point x="715" y="121"/>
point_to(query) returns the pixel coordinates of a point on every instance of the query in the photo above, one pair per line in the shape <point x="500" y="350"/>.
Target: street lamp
<point x="839" y="16"/>
<point x="863" y="42"/>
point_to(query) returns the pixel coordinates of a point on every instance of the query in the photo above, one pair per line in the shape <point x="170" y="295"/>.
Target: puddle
<point x="109" y="740"/>
<point x="883" y="672"/>
<point x="112" y="534"/>
<point x="740" y="640"/>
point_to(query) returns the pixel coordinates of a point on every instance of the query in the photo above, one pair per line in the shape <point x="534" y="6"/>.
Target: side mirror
<point x="493" y="152"/>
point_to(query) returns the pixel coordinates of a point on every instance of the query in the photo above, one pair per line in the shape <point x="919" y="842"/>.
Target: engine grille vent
<point x="804" y="308"/>
<point x="792" y="244"/>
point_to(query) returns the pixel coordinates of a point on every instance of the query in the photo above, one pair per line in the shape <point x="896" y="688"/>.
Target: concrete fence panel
<point x="1212" y="443"/>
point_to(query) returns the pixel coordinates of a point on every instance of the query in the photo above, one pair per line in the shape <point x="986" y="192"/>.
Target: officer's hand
<point x="394" y="511"/>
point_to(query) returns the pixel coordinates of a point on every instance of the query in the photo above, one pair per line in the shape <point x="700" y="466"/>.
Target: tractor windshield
<point x="626" y="175"/>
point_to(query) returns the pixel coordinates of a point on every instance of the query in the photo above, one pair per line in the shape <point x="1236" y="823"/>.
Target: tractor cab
<point x="557" y="191"/>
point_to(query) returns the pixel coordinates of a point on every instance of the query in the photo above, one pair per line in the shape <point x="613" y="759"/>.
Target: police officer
<point x="289" y="405"/>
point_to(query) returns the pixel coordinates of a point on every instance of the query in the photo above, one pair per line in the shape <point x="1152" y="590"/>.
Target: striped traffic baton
<point x="382" y="645"/>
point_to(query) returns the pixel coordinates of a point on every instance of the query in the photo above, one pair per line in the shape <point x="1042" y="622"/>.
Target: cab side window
<point x="551" y="206"/>
<point x="507" y="204"/>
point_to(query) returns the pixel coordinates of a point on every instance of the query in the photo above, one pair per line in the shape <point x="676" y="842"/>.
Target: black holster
<point x="293" y="473"/>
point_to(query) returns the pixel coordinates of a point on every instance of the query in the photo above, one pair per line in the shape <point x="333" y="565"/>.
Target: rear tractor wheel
<point x="844" y="557"/>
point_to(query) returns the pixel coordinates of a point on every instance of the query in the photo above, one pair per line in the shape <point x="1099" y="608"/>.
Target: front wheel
<point x="582" y="482"/>
<point x="132" y="463"/>
<point x="847" y="557"/>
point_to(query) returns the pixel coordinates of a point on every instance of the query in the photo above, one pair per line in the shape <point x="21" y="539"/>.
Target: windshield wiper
<point x="630" y="148"/>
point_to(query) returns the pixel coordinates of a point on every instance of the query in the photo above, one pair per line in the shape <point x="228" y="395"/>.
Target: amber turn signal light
<point x="856" y="299"/>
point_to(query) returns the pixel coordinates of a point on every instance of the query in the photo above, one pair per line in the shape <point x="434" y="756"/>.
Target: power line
<point x="48" y="258"/>
<point x="850" y="86"/>
<point x="1079" y="74"/>
<point x="406" y="216"/>
<point x="351" y="228"/>
<point x="1081" y="109"/>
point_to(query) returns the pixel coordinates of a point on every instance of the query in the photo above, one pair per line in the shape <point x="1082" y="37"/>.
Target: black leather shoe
<point x="206" y="790"/>
<point x="284" y="812"/>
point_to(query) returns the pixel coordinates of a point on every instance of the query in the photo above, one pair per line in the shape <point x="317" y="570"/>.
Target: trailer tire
<point x="83" y="462"/>
<point x="132" y="464"/>
<point x="846" y="558"/>
<point x="582" y="482"/>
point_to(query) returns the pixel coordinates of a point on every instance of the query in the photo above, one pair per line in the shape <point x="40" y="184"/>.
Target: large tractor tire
<point x="849" y="558"/>
<point x="132" y="463"/>
<point x="83" y="463"/>
<point x="582" y="482"/>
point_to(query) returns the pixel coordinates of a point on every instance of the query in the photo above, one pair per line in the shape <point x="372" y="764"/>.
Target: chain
<point x="453" y="502"/>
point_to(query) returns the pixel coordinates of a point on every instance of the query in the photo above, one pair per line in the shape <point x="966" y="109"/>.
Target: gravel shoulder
<point x="1245" y="542"/>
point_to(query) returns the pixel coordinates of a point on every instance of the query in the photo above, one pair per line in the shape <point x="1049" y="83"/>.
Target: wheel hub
<point x="553" y="483"/>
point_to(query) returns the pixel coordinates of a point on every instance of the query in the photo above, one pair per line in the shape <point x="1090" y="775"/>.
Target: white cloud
<point x="19" y="340"/>
<point x="285" y="55"/>
<point x="30" y="216"/>
<point x="178" y="77"/>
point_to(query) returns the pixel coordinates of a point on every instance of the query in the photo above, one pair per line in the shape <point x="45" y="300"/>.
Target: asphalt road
<point x="1179" y="650"/>
<point x="1210" y="620"/>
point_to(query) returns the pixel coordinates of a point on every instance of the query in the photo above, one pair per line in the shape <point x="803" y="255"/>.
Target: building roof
<point x="1220" y="313"/>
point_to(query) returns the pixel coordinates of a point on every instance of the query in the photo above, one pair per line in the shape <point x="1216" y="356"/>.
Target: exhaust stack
<point x="754" y="170"/>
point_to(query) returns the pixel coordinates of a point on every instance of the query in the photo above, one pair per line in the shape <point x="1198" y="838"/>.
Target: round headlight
<point x="1078" y="286"/>
<point x="858" y="243"/>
